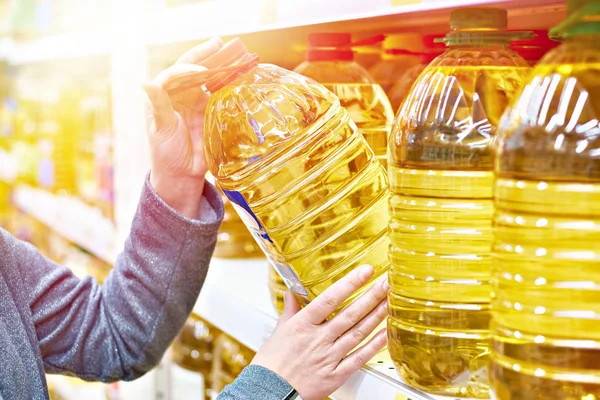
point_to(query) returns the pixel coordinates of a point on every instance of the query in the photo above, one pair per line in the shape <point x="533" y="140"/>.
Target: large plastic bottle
<point x="296" y="168"/>
<point x="330" y="61"/>
<point x="192" y="355"/>
<point x="430" y="50"/>
<point x="399" y="52"/>
<point x="441" y="178"/>
<point x="277" y="288"/>
<point x="546" y="325"/>
<point x="230" y="357"/>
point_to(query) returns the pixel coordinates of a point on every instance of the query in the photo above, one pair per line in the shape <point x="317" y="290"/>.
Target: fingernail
<point x="365" y="272"/>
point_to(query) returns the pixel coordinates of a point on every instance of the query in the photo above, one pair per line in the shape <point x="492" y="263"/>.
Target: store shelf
<point x="70" y="217"/>
<point x="233" y="17"/>
<point x="235" y="298"/>
<point x="57" y="47"/>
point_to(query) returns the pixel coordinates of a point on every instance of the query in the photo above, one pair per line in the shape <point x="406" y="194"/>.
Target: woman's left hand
<point x="176" y="133"/>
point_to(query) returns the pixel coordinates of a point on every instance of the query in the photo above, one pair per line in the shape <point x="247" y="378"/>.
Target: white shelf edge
<point x="71" y="218"/>
<point x="235" y="298"/>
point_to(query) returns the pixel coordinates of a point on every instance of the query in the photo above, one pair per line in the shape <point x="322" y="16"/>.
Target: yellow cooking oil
<point x="358" y="92"/>
<point x="234" y="240"/>
<point x="545" y="327"/>
<point x="441" y="206"/>
<point x="299" y="173"/>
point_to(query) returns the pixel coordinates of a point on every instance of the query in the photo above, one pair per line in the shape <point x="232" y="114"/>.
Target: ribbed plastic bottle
<point x="399" y="52"/>
<point x="430" y="50"/>
<point x="441" y="179"/>
<point x="546" y="321"/>
<point x="296" y="168"/>
<point x="230" y="357"/>
<point x="330" y="61"/>
<point x="534" y="49"/>
<point x="192" y="355"/>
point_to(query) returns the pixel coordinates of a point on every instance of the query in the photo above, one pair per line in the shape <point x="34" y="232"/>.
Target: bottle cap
<point x="333" y="46"/>
<point x="329" y="39"/>
<point x="583" y="19"/>
<point x="404" y="41"/>
<point x="432" y="47"/>
<point x="478" y="19"/>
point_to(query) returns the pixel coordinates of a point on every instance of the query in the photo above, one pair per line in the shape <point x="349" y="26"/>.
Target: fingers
<point x="362" y="330"/>
<point x="332" y="298"/>
<point x="181" y="75"/>
<point x="290" y="308"/>
<point x="360" y="357"/>
<point x="201" y="52"/>
<point x="358" y="309"/>
<point x="160" y="108"/>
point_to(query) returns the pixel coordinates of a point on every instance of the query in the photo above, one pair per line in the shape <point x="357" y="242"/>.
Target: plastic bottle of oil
<point x="545" y="327"/>
<point x="441" y="178"/>
<point x="330" y="61"/>
<point x="430" y="50"/>
<point x="192" y="355"/>
<point x="296" y="168"/>
<point x="399" y="52"/>
<point x="229" y="359"/>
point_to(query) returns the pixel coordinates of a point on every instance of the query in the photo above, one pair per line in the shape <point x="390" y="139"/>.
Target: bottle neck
<point x="476" y="45"/>
<point x="222" y="76"/>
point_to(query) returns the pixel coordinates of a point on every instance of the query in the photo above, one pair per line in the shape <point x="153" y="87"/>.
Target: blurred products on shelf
<point x="229" y="359"/>
<point x="430" y="50"/>
<point x="27" y="19"/>
<point x="441" y="179"/>
<point x="57" y="133"/>
<point x="192" y="360"/>
<point x="291" y="161"/>
<point x="330" y="61"/>
<point x="545" y="326"/>
<point x="277" y="288"/>
<point x="399" y="52"/>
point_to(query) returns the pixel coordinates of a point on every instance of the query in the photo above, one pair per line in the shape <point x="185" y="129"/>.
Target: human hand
<point x="310" y="353"/>
<point x="176" y="133"/>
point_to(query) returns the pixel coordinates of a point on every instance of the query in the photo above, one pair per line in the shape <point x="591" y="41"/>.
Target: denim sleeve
<point x="258" y="383"/>
<point x="120" y="330"/>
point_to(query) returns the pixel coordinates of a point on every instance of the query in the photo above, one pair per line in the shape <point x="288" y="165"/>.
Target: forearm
<point x="120" y="330"/>
<point x="257" y="383"/>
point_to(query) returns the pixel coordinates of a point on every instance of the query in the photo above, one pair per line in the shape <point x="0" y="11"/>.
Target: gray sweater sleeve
<point x="258" y="383"/>
<point x="120" y="330"/>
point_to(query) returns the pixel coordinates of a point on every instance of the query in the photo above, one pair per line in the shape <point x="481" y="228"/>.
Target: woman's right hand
<point x="310" y="352"/>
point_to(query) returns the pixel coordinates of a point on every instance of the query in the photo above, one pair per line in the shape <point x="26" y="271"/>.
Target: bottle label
<point x="186" y="385"/>
<point x="266" y="243"/>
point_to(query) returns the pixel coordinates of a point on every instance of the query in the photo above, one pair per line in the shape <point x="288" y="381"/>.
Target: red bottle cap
<point x="231" y="61"/>
<point x="329" y="46"/>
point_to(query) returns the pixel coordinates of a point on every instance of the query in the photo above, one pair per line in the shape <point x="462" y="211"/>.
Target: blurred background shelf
<point x="73" y="219"/>
<point x="234" y="299"/>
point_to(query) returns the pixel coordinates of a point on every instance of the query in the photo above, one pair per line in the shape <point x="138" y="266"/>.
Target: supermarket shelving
<point x="236" y="299"/>
<point x="70" y="217"/>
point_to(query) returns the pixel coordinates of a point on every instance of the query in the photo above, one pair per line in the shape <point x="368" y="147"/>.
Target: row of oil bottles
<point x="489" y="223"/>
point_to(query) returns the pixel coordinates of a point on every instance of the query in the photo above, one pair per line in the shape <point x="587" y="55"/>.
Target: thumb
<point x="291" y="307"/>
<point x="160" y="108"/>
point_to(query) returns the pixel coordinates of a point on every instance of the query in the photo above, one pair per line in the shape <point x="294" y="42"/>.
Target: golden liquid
<point x="287" y="147"/>
<point x="546" y="329"/>
<point x="441" y="213"/>
<point x="370" y="110"/>
<point x="398" y="92"/>
<point x="234" y="240"/>
<point x="230" y="358"/>
<point x="277" y="288"/>
<point x="193" y="348"/>
<point x="387" y="71"/>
